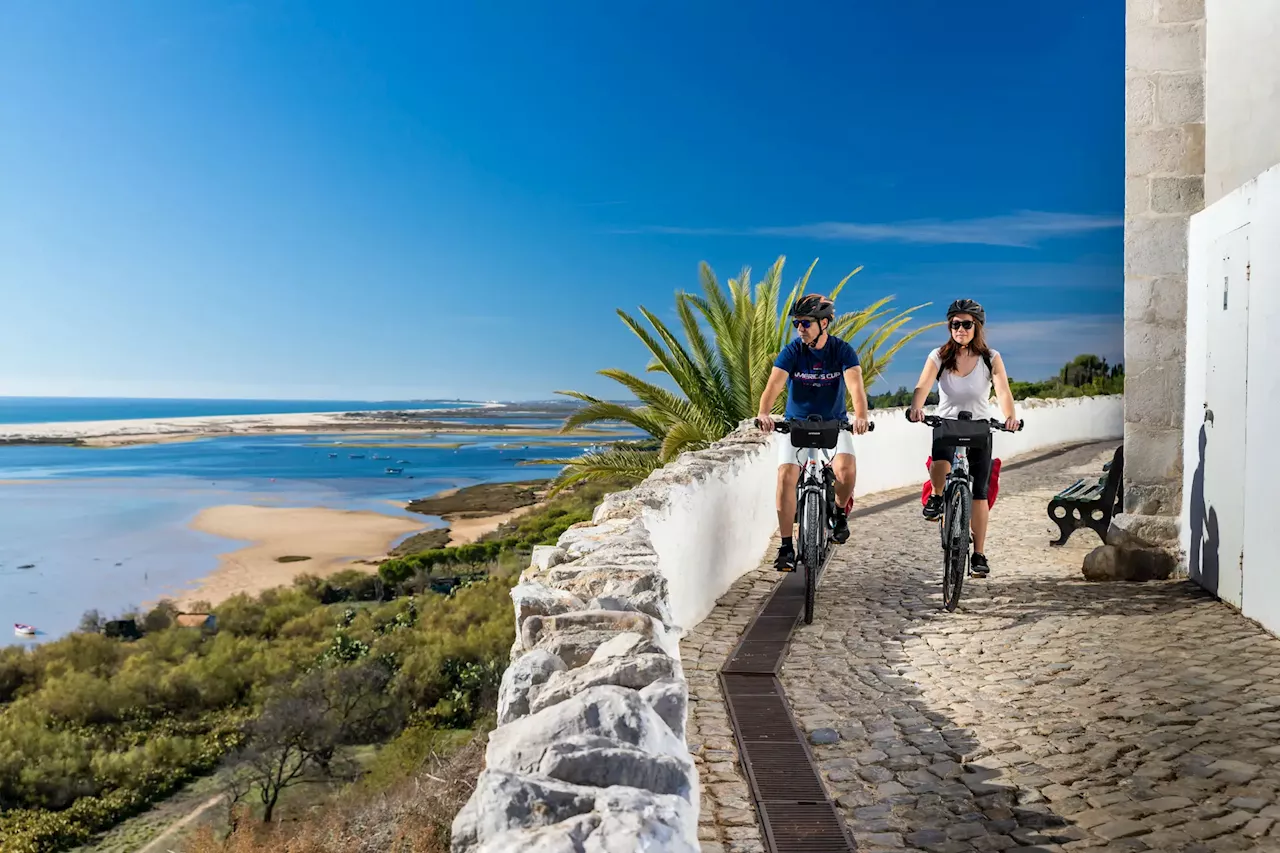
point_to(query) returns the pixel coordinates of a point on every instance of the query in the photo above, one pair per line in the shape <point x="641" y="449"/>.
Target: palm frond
<point x="621" y="465"/>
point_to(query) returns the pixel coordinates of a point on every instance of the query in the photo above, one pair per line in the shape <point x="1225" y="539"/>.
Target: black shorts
<point x="979" y="462"/>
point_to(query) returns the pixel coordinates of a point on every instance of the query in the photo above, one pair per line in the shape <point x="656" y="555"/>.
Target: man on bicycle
<point x="815" y="368"/>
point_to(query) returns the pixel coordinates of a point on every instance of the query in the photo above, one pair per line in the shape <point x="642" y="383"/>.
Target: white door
<point x="1221" y="539"/>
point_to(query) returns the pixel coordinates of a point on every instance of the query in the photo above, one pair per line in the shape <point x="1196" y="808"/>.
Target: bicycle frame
<point x="956" y="538"/>
<point x="815" y="488"/>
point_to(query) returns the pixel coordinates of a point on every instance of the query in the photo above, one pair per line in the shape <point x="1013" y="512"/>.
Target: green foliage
<point x="1084" y="376"/>
<point x="94" y="729"/>
<point x="731" y="341"/>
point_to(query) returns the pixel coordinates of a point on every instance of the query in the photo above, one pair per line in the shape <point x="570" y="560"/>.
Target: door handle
<point x="1208" y="414"/>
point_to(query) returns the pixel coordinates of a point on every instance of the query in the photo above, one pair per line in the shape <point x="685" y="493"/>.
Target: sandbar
<point x="420" y="423"/>
<point x="334" y="539"/>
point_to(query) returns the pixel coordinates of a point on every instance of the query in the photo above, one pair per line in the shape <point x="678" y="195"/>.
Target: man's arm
<point x="858" y="391"/>
<point x="777" y="381"/>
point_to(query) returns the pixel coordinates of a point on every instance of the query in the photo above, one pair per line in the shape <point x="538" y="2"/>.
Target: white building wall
<point x="1242" y="92"/>
<point x="1223" y="506"/>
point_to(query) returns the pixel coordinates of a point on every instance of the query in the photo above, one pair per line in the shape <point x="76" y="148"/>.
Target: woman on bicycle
<point x="965" y="369"/>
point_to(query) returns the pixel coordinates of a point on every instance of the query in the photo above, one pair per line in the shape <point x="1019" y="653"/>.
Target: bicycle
<point x="957" y="497"/>
<point x="815" y="494"/>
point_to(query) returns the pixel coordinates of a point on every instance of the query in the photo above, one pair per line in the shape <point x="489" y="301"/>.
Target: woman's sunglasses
<point x="962" y="324"/>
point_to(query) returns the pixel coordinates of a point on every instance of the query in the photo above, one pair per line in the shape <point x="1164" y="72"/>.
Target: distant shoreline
<point x="120" y="433"/>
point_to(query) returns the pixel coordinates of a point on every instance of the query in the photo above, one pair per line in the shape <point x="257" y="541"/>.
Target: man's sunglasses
<point x="802" y="324"/>
<point x="962" y="324"/>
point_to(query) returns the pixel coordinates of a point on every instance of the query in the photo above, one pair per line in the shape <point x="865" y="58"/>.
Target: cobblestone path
<point x="727" y="819"/>
<point x="1047" y="713"/>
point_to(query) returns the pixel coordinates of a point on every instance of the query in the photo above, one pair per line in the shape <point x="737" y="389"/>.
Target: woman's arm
<point x="1003" y="395"/>
<point x="927" y="377"/>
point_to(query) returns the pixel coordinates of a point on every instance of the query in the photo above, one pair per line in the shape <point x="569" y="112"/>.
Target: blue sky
<point x="382" y="200"/>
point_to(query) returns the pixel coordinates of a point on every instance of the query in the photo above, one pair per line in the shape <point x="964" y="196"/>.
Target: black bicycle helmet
<point x="814" y="305"/>
<point x="970" y="307"/>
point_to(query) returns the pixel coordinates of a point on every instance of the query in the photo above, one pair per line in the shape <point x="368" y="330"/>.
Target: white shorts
<point x="788" y="455"/>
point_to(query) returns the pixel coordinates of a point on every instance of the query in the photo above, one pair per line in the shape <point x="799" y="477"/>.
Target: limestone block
<point x="1155" y="247"/>
<point x="670" y="698"/>
<point x="649" y="602"/>
<point x="535" y="599"/>
<point x="623" y="581"/>
<point x="546" y="556"/>
<point x="504" y="801"/>
<point x="1173" y="47"/>
<point x="1181" y="98"/>
<point x="1139" y="101"/>
<point x="635" y="672"/>
<point x="522" y="679"/>
<point x="1139" y="12"/>
<point x="1156" y="342"/>
<point x="1137" y="196"/>
<point x="1176" y="11"/>
<point x="1154" y="151"/>
<point x="565" y="837"/>
<point x="574" y="637"/>
<point x="1177" y="195"/>
<point x="587" y="761"/>
<point x="625" y="645"/>
<point x="601" y="716"/>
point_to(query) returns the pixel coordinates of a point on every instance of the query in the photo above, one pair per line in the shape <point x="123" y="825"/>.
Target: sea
<point x="109" y="528"/>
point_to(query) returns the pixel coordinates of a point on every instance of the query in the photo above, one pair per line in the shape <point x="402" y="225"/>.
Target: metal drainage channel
<point x="797" y="814"/>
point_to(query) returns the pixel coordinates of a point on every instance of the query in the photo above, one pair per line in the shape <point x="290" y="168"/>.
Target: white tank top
<point x="971" y="393"/>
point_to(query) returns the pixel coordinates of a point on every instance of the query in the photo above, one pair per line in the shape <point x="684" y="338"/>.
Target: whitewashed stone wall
<point x="590" y="751"/>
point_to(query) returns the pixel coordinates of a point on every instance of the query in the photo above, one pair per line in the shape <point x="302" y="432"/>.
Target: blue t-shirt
<point x="816" y="383"/>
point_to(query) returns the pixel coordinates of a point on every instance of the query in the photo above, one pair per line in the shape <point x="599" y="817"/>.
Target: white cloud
<point x="1025" y="228"/>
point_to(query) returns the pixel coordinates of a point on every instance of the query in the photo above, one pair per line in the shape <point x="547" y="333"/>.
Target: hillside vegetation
<point x="291" y="686"/>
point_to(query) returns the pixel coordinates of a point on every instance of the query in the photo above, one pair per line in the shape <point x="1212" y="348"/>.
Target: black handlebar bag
<point x="817" y="433"/>
<point x="962" y="433"/>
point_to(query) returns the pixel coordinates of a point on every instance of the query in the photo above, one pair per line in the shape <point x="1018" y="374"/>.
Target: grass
<point x="291" y="558"/>
<point x="133" y="834"/>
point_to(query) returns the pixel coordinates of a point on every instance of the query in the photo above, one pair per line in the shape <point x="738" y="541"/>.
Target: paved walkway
<point x="1047" y="713"/>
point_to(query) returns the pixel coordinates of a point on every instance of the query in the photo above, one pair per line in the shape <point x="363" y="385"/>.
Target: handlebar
<point x="934" y="420"/>
<point x="784" y="426"/>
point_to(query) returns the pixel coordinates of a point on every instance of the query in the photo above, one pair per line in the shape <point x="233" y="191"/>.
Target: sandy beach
<point x="421" y="423"/>
<point x="333" y="539"/>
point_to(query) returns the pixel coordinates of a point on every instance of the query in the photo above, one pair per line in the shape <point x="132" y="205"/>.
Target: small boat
<point x="333" y="456"/>
<point x="23" y="630"/>
<point x="394" y="470"/>
<point x="355" y="456"/>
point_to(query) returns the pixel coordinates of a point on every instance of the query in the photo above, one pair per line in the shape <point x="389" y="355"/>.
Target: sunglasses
<point x="962" y="324"/>
<point x="802" y="324"/>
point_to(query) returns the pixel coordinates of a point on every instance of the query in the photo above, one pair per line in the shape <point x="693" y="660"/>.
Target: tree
<point x="731" y="340"/>
<point x="304" y="727"/>
<point x="1084" y="369"/>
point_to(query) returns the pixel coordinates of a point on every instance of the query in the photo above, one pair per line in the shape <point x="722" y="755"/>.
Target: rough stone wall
<point x="590" y="751"/>
<point x="1164" y="185"/>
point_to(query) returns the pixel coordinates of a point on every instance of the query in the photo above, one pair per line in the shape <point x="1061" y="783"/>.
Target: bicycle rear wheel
<point x="956" y="548"/>
<point x="811" y="536"/>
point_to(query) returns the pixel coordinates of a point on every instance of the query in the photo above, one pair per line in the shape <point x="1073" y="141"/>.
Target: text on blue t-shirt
<point x="816" y="383"/>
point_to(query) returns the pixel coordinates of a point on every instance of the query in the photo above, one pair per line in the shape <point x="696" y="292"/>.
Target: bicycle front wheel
<point x="811" y="536"/>
<point x="956" y="553"/>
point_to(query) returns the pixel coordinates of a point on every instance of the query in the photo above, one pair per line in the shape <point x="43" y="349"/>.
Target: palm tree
<point x="720" y="376"/>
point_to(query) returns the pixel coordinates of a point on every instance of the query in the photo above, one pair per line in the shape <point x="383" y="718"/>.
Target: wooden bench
<point x="1089" y="504"/>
